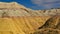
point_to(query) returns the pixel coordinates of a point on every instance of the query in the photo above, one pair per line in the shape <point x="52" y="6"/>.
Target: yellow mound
<point x="21" y="25"/>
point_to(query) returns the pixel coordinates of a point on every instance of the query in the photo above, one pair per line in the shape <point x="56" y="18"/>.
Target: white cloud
<point x="37" y="1"/>
<point x="45" y="3"/>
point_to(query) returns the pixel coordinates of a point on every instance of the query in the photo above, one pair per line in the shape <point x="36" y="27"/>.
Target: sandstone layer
<point x="17" y="19"/>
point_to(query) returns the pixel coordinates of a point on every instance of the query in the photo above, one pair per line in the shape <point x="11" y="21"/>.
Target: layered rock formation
<point x="17" y="19"/>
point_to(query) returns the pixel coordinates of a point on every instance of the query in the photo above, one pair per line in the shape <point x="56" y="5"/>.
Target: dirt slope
<point x="17" y="19"/>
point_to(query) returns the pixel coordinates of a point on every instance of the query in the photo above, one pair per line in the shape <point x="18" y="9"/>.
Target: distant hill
<point x="19" y="10"/>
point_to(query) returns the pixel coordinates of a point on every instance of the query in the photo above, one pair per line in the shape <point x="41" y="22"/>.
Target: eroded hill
<point x="17" y="19"/>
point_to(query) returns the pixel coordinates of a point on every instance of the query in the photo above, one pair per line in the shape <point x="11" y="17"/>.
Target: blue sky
<point x="37" y="4"/>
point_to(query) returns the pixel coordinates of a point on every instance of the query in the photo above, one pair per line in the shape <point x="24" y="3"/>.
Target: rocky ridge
<point x="15" y="9"/>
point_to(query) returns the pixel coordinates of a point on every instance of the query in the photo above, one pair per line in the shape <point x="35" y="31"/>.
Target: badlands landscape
<point x="17" y="19"/>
